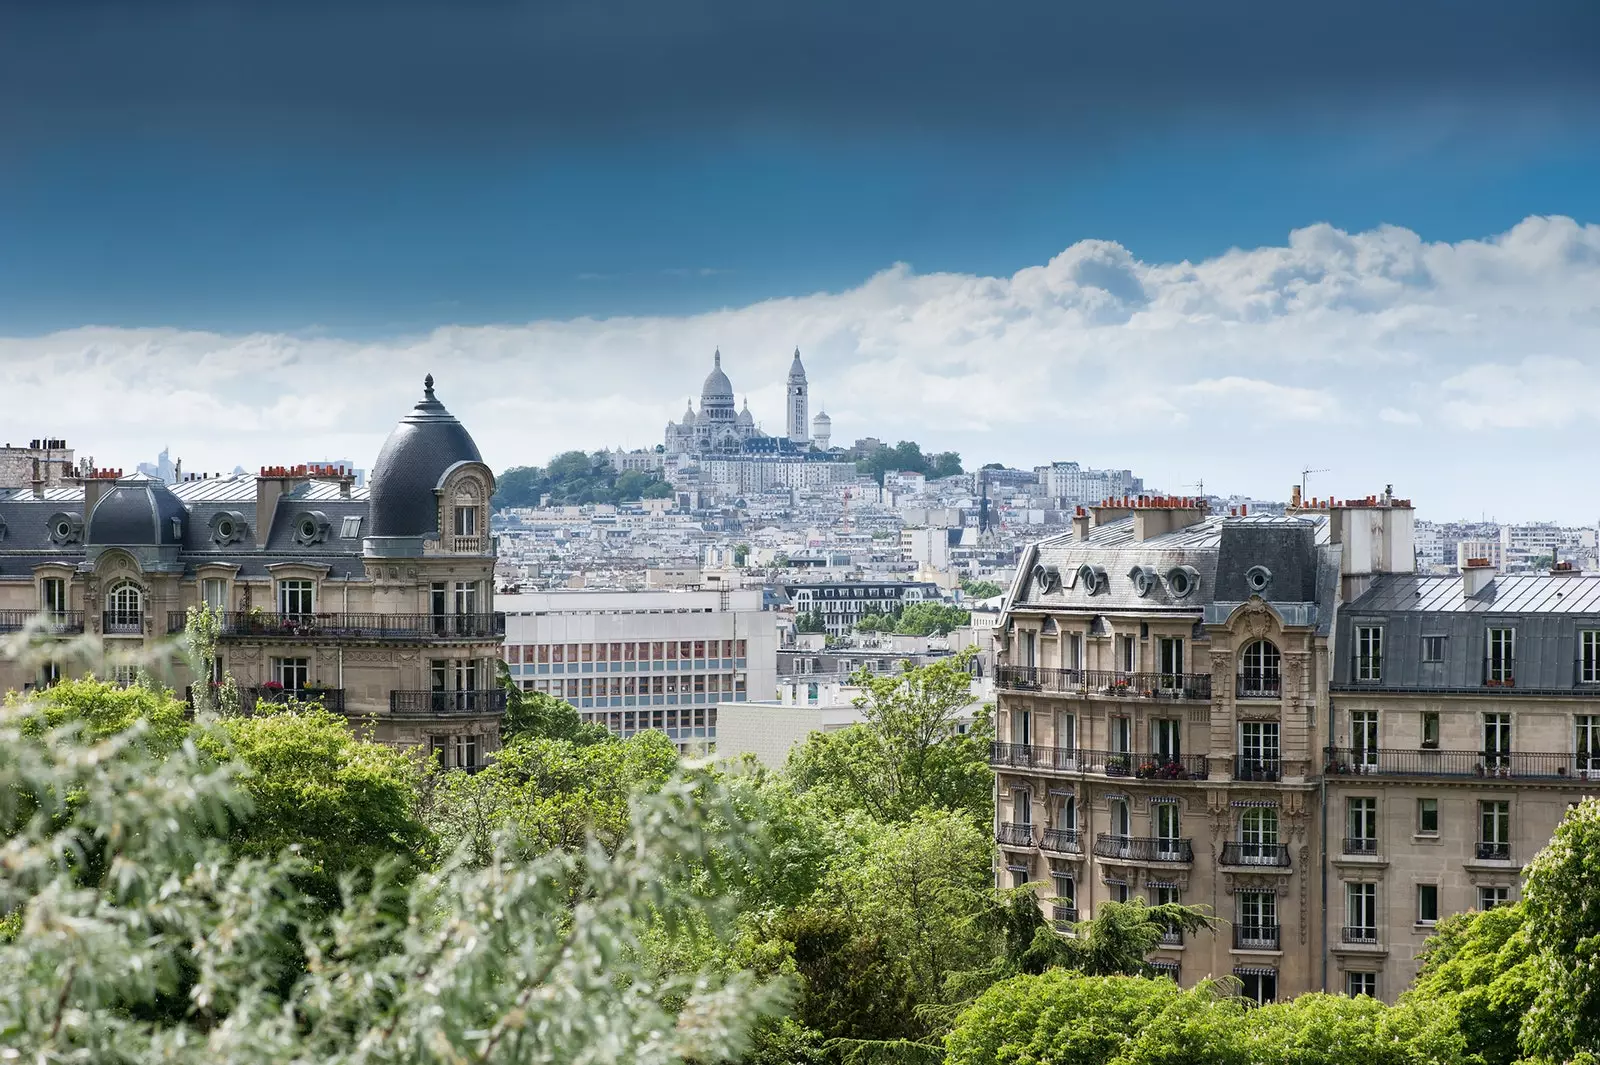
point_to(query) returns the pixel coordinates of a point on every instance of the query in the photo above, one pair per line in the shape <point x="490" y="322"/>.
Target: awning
<point x="1162" y="800"/>
<point x="1160" y="883"/>
<point x="1255" y="804"/>
<point x="1254" y="970"/>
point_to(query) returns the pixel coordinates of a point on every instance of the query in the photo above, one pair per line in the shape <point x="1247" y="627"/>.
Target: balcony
<point x="263" y="699"/>
<point x="1510" y="765"/>
<point x="1064" y="917"/>
<point x="1256" y="767"/>
<point x="1258" y="855"/>
<point x="380" y="627"/>
<point x="122" y="623"/>
<point x="1494" y="852"/>
<point x="1256" y="937"/>
<point x="1143" y="849"/>
<point x="1360" y="846"/>
<point x="1062" y="841"/>
<point x="1101" y="763"/>
<point x="1172" y="937"/>
<point x="1009" y="834"/>
<point x="1106" y="683"/>
<point x="1359" y="934"/>
<point x="442" y="703"/>
<point x="1259" y="686"/>
<point x="48" y="622"/>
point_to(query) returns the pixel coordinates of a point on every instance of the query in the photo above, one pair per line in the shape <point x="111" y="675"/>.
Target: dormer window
<point x="466" y="521"/>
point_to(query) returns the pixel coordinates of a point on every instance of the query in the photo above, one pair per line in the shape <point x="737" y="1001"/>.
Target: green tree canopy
<point x="907" y="456"/>
<point x="980" y="589"/>
<point x="1482" y="964"/>
<point x="1562" y="905"/>
<point x="573" y="478"/>
<point x="930" y="619"/>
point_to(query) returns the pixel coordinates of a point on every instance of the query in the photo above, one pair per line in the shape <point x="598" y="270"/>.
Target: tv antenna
<point x="1303" y="475"/>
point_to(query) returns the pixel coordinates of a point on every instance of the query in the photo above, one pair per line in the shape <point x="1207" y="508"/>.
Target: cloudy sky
<point x="1222" y="241"/>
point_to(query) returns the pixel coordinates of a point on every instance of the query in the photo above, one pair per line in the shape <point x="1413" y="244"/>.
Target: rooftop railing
<point x="1107" y="683"/>
<point x="482" y="626"/>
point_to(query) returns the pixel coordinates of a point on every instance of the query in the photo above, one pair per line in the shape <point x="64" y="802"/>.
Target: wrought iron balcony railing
<point x="247" y="623"/>
<point x="1255" y="937"/>
<point x="48" y="622"/>
<point x="1494" y="852"/>
<point x="1516" y="765"/>
<point x="1061" y="840"/>
<point x="1064" y="916"/>
<point x="1143" y="848"/>
<point x="1360" y="845"/>
<point x="1103" y="763"/>
<point x="1259" y="686"/>
<point x="122" y="623"/>
<point x="1235" y="852"/>
<point x="1100" y="682"/>
<point x="1364" y="934"/>
<point x="432" y="703"/>
<point x="1257" y="767"/>
<point x="1014" y="835"/>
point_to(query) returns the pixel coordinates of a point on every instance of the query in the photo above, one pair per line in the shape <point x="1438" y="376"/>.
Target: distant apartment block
<point x="1069" y="484"/>
<point x="842" y="604"/>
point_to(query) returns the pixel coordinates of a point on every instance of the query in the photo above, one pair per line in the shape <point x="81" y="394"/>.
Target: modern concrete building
<point x="632" y="661"/>
<point x="379" y="602"/>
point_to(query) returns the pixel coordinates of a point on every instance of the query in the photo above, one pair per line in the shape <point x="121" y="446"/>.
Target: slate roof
<point x="1530" y="593"/>
<point x="425" y="444"/>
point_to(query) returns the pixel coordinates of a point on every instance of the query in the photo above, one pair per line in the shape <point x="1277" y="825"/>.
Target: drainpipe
<point x="1324" y="855"/>
<point x="341" y="645"/>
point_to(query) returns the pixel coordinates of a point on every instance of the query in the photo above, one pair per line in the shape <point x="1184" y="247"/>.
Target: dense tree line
<point x="574" y="478"/>
<point x="274" y="887"/>
<point x="907" y="456"/>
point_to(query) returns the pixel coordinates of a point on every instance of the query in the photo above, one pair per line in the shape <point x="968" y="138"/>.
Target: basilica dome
<point x="717" y="393"/>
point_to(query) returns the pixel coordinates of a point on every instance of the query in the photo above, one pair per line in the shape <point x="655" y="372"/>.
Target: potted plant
<point x="1117" y="765"/>
<point x="1147" y="770"/>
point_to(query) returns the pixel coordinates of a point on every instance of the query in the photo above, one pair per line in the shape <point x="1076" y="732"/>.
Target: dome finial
<point x="716" y="359"/>
<point x="427" y="386"/>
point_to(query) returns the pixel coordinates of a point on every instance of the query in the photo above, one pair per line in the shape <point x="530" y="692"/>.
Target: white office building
<point x="632" y="661"/>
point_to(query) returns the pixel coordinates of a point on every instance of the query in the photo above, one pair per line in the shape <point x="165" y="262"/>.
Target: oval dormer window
<point x="1182" y="581"/>
<point x="225" y="528"/>
<point x="1259" y="578"/>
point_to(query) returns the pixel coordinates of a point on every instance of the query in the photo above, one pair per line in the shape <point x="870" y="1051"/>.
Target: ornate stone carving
<point x="1304" y="878"/>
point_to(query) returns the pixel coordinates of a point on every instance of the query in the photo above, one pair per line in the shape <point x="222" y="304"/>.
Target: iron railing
<point x="1523" y="765"/>
<point x="463" y="701"/>
<point x="1238" y="852"/>
<point x="1359" y="933"/>
<point x="261" y="699"/>
<point x="1494" y="852"/>
<point x="1259" y="686"/>
<point x="1103" y="763"/>
<point x="1255" y="937"/>
<point x="1013" y="835"/>
<point x="1064" y="840"/>
<point x="1360" y="845"/>
<point x="122" y="623"/>
<point x="1143" y="848"/>
<point x="1256" y="768"/>
<point x="1063" y="916"/>
<point x="49" y="622"/>
<point x="352" y="626"/>
<point x="1172" y="937"/>
<point x="1104" y="682"/>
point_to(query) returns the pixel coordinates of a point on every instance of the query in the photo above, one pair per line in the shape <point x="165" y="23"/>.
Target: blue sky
<point x="560" y="206"/>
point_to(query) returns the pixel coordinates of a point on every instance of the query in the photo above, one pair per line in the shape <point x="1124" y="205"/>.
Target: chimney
<point x="1109" y="510"/>
<point x="272" y="484"/>
<point x="38" y="480"/>
<point x="1375" y="535"/>
<point x="1081" y="525"/>
<point x="1294" y="497"/>
<point x="94" y="485"/>
<point x="1476" y="575"/>
<point x="1156" y="515"/>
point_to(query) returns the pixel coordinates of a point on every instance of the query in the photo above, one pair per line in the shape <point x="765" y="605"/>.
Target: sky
<point x="1221" y="242"/>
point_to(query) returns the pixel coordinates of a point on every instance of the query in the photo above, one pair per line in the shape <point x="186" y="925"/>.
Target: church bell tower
<point x="799" y="424"/>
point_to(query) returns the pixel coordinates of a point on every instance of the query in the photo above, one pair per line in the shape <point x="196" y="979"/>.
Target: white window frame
<point x="1361" y="907"/>
<point x="293" y="673"/>
<point x="1500" y="654"/>
<point x="297" y="596"/>
<point x="1589" y="656"/>
<point x="214" y="594"/>
<point x="1369" y="653"/>
<point x="1586" y="745"/>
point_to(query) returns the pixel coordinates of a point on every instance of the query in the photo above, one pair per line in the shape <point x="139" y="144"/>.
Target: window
<point x="214" y="594"/>
<point x="1369" y="652"/>
<point x="1494" y="830"/>
<point x="1257" y="926"/>
<point x="1258" y="750"/>
<point x="350" y="527"/>
<point x="1589" y="656"/>
<point x="1121" y="823"/>
<point x="1259" y="669"/>
<point x="53" y="595"/>
<point x="1258" y="836"/>
<point x="293" y="673"/>
<point x="297" y="597"/>
<point x="467" y="674"/>
<point x="1258" y="985"/>
<point x="1500" y="666"/>
<point x="1364" y="738"/>
<point x="1490" y="897"/>
<point x="125" y="608"/>
<point x="1167" y="829"/>
<point x="1430" y="730"/>
<point x="1497" y="741"/>
<point x="1427" y="817"/>
<point x="1066" y="813"/>
<point x="466" y="597"/>
<point x="1164" y="894"/>
<point x="49" y="674"/>
<point x="1361" y="913"/>
<point x="1166" y="735"/>
<point x="1066" y="888"/>
<point x="1171" y="651"/>
<point x="1072" y="652"/>
<point x="1119" y="891"/>
<point x="1361" y="826"/>
<point x="1121" y="735"/>
<point x="1433" y="649"/>
<point x="1021" y="806"/>
<point x="1066" y="731"/>
<point x="1427" y="903"/>
<point x="1358" y="984"/>
<point x="467" y="751"/>
<point x="1019" y="875"/>
<point x="1127" y="652"/>
<point x="1586" y="744"/>
<point x="466" y="521"/>
<point x="124" y="676"/>
<point x="439" y="674"/>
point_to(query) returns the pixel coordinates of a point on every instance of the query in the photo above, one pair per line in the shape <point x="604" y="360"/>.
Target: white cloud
<point x="1240" y="369"/>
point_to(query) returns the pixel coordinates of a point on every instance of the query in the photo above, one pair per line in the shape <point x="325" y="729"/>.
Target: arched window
<point x="1258" y="670"/>
<point x="125" y="608"/>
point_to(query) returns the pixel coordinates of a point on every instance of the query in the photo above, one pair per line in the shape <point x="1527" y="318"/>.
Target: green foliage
<point x="346" y="805"/>
<point x="555" y="794"/>
<point x="907" y="456"/>
<point x="1058" y="1018"/>
<point x="930" y="619"/>
<point x="1115" y="943"/>
<point x="809" y="621"/>
<point x="1319" y="1029"/>
<point x="876" y="623"/>
<point x="1482" y="964"/>
<point x="174" y="948"/>
<point x="573" y="478"/>
<point x="906" y="755"/>
<point x="106" y="709"/>
<point x="980" y="589"/>
<point x="538" y="715"/>
<point x="1561" y="901"/>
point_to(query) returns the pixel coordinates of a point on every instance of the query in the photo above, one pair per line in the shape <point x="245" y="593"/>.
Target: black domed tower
<point x="411" y="471"/>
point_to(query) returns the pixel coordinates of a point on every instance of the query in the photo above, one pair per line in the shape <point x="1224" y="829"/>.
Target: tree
<point x="539" y="715"/>
<point x="1115" y="943"/>
<point x="876" y="623"/>
<point x="931" y="619"/>
<point x="105" y="709"/>
<point x="945" y="464"/>
<point x="907" y="754"/>
<point x="174" y="948"/>
<point x="741" y="554"/>
<point x="981" y="589"/>
<point x="1562" y="905"/>
<point x="809" y="621"/>
<point x="1059" y="1017"/>
<point x="1482" y="964"/>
